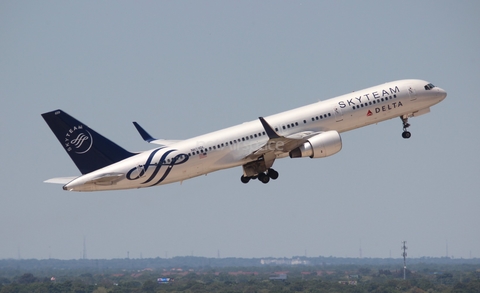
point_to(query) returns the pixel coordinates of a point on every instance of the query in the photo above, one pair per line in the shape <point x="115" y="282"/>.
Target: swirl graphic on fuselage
<point x="157" y="172"/>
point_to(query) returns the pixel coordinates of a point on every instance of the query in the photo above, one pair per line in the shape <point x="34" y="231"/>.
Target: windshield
<point x="429" y="86"/>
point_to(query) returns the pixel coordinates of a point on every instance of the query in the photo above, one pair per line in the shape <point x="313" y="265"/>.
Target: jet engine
<point x="319" y="146"/>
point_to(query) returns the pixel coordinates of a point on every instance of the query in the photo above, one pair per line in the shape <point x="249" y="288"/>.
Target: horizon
<point x="269" y="257"/>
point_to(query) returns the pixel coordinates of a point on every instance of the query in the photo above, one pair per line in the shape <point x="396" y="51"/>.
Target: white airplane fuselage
<point x="235" y="146"/>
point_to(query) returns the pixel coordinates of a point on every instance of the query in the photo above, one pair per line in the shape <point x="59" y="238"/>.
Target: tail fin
<point x="88" y="149"/>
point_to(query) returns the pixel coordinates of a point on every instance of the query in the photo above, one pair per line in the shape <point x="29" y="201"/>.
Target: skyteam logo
<point x="78" y="140"/>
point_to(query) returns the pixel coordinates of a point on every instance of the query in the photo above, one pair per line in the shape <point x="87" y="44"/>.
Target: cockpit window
<point x="429" y="86"/>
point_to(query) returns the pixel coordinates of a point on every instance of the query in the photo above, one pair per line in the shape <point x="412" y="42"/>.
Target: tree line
<point x="421" y="277"/>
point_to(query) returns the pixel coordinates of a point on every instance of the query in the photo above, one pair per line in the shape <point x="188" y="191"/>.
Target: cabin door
<point x="337" y="111"/>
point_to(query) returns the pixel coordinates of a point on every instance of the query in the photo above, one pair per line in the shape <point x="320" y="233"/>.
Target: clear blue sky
<point x="185" y="68"/>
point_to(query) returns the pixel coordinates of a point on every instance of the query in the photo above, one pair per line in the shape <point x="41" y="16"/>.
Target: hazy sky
<point x="185" y="68"/>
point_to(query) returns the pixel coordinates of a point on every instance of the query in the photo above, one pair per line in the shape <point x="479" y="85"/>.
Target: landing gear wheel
<point x="406" y="133"/>
<point x="263" y="178"/>
<point x="272" y="174"/>
<point x="244" y="179"/>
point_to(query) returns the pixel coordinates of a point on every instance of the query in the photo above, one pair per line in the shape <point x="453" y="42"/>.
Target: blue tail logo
<point x="78" y="140"/>
<point x="88" y="149"/>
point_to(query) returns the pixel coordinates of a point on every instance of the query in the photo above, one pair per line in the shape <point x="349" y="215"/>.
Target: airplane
<point x="310" y="131"/>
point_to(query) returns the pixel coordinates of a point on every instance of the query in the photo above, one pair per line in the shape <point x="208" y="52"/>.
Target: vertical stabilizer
<point x="88" y="149"/>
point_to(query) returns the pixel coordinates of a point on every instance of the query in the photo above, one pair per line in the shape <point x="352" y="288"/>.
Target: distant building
<point x="281" y="277"/>
<point x="353" y="276"/>
<point x="284" y="261"/>
<point x="354" y="283"/>
<point x="164" y="280"/>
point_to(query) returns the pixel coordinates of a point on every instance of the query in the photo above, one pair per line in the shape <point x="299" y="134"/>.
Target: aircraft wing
<point x="278" y="144"/>
<point x="148" y="138"/>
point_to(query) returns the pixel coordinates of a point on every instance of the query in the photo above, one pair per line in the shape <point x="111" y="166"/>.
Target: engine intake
<point x="319" y="146"/>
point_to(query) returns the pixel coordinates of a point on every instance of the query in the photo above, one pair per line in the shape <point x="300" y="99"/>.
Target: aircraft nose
<point x="441" y="93"/>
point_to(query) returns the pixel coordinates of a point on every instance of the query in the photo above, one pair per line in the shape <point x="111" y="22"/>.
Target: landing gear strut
<point x="405" y="133"/>
<point x="262" y="177"/>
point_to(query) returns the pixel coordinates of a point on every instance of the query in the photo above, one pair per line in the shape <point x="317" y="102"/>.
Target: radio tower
<point x="360" y="249"/>
<point x="446" y="248"/>
<point x="404" y="254"/>
<point x="84" y="248"/>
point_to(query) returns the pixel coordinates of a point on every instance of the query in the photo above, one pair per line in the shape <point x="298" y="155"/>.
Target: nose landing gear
<point x="405" y="134"/>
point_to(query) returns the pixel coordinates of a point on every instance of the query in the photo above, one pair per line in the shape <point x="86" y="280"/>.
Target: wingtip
<point x="144" y="134"/>
<point x="268" y="129"/>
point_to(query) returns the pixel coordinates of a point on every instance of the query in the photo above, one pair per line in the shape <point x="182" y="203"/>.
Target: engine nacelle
<point x="319" y="146"/>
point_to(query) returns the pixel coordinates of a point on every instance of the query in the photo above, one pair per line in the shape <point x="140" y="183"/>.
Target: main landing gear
<point x="405" y="133"/>
<point x="262" y="177"/>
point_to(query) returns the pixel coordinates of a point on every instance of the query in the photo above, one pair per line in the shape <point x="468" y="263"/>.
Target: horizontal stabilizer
<point x="60" y="180"/>
<point x="150" y="139"/>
